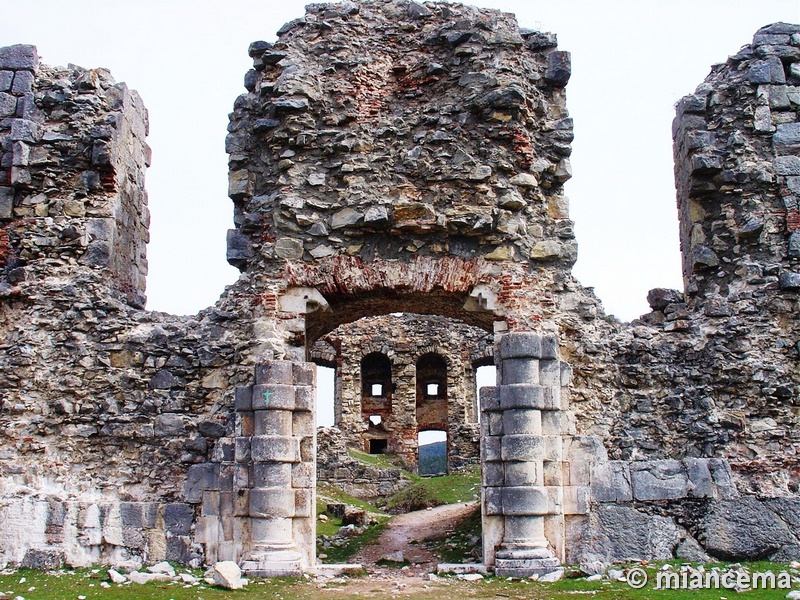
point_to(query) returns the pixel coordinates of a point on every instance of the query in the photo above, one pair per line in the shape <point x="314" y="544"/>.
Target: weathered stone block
<point x="139" y="515"/>
<point x="523" y="473"/>
<point x="244" y="397"/>
<point x="522" y="421"/>
<point x="559" y="68"/>
<point x="6" y="77"/>
<point x="522" y="447"/>
<point x="273" y="422"/>
<point x="199" y="478"/>
<point x="273" y="475"/>
<point x="552" y="472"/>
<point x="275" y="372"/>
<point x="493" y="500"/>
<point x="303" y="475"/>
<point x="242" y="450"/>
<point x="25" y="131"/>
<point x="169" y="425"/>
<point x="304" y="373"/>
<point x="659" y="480"/>
<point x="178" y="518"/>
<point x="239" y="249"/>
<point x="611" y="482"/>
<point x="520" y="345"/>
<point x="489" y="399"/>
<point x="493" y="423"/>
<point x="273" y="397"/>
<point x="623" y="533"/>
<point x="302" y="503"/>
<point x="19" y="57"/>
<point x="787" y="135"/>
<point x="272" y="448"/>
<point x="8" y="105"/>
<point x="303" y="424"/>
<point x="584" y="448"/>
<point x="520" y="370"/>
<point x="787" y="165"/>
<point x="550" y="373"/>
<point x="493" y="474"/>
<point x="240" y="184"/>
<point x="525" y="395"/>
<point x="790" y="281"/>
<point x="6" y="202"/>
<point x="272" y="502"/>
<point x="305" y="399"/>
<point x="701" y="484"/>
<point x="491" y="449"/>
<point x="525" y="500"/>
<point x="744" y="529"/>
<point x="43" y="560"/>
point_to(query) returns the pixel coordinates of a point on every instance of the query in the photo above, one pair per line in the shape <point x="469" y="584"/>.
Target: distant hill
<point x="433" y="459"/>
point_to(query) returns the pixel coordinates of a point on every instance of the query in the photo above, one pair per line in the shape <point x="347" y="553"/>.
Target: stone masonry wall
<point x="389" y="157"/>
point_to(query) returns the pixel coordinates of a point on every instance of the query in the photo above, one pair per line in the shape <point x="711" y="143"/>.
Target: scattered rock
<point x="116" y="577"/>
<point x="228" y="575"/>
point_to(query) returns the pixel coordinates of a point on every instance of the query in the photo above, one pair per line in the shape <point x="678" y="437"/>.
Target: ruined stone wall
<point x="722" y="360"/>
<point x="397" y="174"/>
<point x="71" y="174"/>
<point x="404" y="339"/>
<point x="708" y="384"/>
<point x="103" y="407"/>
<point x="395" y="157"/>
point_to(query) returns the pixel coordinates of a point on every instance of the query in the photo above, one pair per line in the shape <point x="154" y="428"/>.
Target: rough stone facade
<point x="418" y="351"/>
<point x="394" y="157"/>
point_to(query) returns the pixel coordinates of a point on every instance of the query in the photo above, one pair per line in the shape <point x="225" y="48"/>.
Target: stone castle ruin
<point x="393" y="157"/>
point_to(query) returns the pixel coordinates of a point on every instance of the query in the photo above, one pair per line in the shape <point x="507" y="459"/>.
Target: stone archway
<point x="428" y="181"/>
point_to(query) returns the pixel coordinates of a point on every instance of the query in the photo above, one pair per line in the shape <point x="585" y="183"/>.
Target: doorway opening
<point x="432" y="445"/>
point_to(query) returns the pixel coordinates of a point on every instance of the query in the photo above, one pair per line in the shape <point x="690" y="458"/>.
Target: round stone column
<point x="273" y="451"/>
<point x="518" y="456"/>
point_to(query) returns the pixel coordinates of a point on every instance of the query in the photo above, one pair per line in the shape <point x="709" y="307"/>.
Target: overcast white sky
<point x="632" y="60"/>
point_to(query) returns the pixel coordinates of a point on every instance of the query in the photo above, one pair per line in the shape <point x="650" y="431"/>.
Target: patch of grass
<point x="329" y="493"/>
<point x="459" y="545"/>
<point x="460" y="486"/>
<point x="68" y="585"/>
<point x="383" y="461"/>
<point x="341" y="554"/>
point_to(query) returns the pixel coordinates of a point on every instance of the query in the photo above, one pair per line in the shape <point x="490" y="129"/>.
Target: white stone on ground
<point x="552" y="577"/>
<point x="394" y="556"/>
<point x="162" y="567"/>
<point x="116" y="576"/>
<point x="142" y="578"/>
<point x="228" y="575"/>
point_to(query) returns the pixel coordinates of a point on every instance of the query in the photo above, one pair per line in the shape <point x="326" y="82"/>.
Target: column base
<point x="281" y="563"/>
<point x="524" y="562"/>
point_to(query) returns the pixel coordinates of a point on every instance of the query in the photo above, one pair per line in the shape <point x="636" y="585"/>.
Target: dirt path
<point x="403" y="530"/>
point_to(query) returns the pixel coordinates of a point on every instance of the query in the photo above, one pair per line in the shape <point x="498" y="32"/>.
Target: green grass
<point x="383" y="461"/>
<point x="461" y="486"/>
<point x="70" y="585"/>
<point x="341" y="554"/>
<point x="328" y="493"/>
